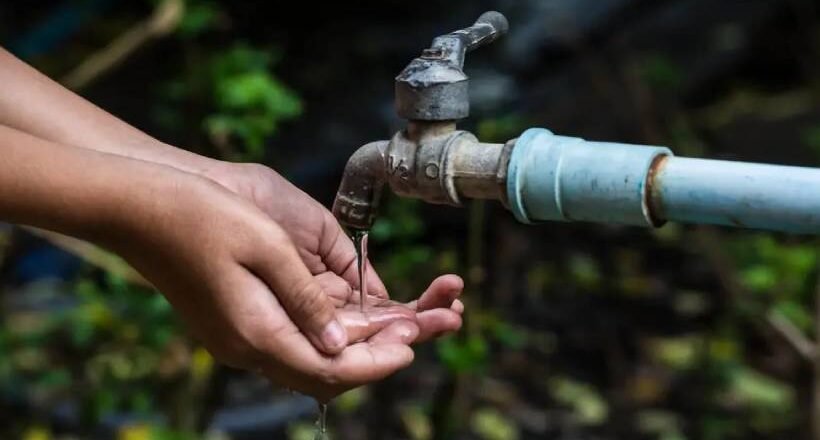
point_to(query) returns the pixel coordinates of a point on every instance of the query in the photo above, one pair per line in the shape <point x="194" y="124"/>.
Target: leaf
<point x="490" y="424"/>
<point x="679" y="353"/>
<point x="463" y="355"/>
<point x="584" y="271"/>
<point x="757" y="390"/>
<point x="350" y="401"/>
<point x="36" y="433"/>
<point x="198" y="18"/>
<point x="587" y="404"/>
<point x="796" y="313"/>
<point x="416" y="422"/>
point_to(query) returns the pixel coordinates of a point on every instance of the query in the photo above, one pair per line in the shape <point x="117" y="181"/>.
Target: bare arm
<point x="33" y="103"/>
<point x="231" y="245"/>
<point x="70" y="190"/>
<point x="227" y="268"/>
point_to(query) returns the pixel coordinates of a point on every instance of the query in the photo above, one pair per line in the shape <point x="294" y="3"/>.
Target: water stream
<point x="321" y="424"/>
<point x="360" y="242"/>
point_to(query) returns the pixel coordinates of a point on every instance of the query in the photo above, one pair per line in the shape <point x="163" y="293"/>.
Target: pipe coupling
<point x="569" y="179"/>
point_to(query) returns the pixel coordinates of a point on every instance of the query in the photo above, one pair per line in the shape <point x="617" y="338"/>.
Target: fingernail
<point x="334" y="336"/>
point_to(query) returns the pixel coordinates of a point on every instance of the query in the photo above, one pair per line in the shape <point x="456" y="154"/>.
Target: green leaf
<point x="490" y="424"/>
<point x="680" y="353"/>
<point x="587" y="404"/>
<point x="759" y="391"/>
<point x="198" y="18"/>
<point x="461" y="356"/>
<point x="584" y="271"/>
<point x="796" y="313"/>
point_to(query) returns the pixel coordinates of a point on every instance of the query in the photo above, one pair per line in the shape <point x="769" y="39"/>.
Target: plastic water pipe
<point x="562" y="178"/>
<point x="543" y="177"/>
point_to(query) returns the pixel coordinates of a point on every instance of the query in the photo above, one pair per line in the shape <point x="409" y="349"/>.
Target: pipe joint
<point x="569" y="179"/>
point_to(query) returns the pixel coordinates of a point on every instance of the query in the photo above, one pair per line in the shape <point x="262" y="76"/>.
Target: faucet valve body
<point x="440" y="165"/>
<point x="429" y="159"/>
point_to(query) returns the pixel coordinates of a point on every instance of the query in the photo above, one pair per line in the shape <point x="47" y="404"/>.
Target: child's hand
<point x="236" y="277"/>
<point x="328" y="252"/>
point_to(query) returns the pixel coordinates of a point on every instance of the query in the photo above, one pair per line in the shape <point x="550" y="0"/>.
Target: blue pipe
<point x="562" y="178"/>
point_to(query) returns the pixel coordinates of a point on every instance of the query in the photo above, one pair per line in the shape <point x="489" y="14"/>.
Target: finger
<point x="278" y="264"/>
<point x="457" y="306"/>
<point x="326" y="377"/>
<point x="367" y="362"/>
<point x="443" y="291"/>
<point x="375" y="286"/>
<point x="363" y="325"/>
<point x="398" y="332"/>
<point x="339" y="291"/>
<point x="287" y="356"/>
<point x="436" y="322"/>
<point x="339" y="255"/>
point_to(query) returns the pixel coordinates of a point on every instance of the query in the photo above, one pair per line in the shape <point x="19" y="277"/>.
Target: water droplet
<point x="321" y="423"/>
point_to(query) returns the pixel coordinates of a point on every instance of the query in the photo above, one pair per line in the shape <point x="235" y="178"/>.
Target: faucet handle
<point x="488" y="28"/>
<point x="433" y="87"/>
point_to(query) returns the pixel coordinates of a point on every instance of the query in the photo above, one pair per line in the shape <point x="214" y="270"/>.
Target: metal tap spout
<point x="358" y="197"/>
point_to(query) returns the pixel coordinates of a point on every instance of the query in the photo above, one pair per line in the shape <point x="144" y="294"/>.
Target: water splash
<point x="360" y="242"/>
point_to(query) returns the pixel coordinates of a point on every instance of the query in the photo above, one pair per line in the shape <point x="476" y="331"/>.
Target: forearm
<point x="71" y="190"/>
<point x="35" y="104"/>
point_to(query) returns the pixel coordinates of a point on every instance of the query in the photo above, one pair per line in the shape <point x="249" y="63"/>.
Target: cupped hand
<point x="330" y="256"/>
<point x="241" y="283"/>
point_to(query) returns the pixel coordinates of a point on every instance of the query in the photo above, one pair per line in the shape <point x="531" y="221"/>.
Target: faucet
<point x="541" y="176"/>
<point x="429" y="159"/>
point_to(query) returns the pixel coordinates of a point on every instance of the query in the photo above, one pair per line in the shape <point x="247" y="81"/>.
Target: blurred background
<point x="573" y="331"/>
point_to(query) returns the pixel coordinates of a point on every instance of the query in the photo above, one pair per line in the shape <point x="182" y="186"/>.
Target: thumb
<point x="304" y="300"/>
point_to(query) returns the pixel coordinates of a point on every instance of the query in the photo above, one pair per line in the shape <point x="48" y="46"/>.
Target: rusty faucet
<point x="430" y="159"/>
<point x="541" y="176"/>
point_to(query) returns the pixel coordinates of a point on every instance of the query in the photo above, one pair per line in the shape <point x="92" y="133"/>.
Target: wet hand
<point x="238" y="281"/>
<point x="330" y="256"/>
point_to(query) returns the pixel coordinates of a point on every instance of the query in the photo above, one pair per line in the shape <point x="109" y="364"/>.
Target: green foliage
<point x="660" y="72"/>
<point x="302" y="431"/>
<point x="766" y="263"/>
<point x="350" y="401"/>
<point x="151" y="432"/>
<point x="463" y="355"/>
<point x="398" y="229"/>
<point x="584" y="271"/>
<point x="416" y="422"/>
<point x="588" y="407"/>
<point x="508" y="335"/>
<point x="399" y="222"/>
<point x="678" y="353"/>
<point x="490" y="424"/>
<point x="249" y="103"/>
<point x="769" y="402"/>
<point x="199" y="17"/>
<point x="811" y="139"/>
<point x="664" y="425"/>
<point x="781" y="274"/>
<point x="501" y="129"/>
<point x="107" y="350"/>
<point x="239" y="104"/>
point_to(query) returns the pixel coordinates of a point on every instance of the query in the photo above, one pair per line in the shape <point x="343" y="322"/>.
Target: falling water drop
<point x="321" y="423"/>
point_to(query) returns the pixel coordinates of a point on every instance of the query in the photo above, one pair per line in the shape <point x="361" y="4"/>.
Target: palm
<point x="330" y="255"/>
